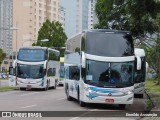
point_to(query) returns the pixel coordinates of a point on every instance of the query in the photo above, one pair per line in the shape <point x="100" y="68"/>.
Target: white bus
<point x="62" y="71"/>
<point x="140" y="73"/>
<point x="37" y="67"/>
<point x="99" y="67"/>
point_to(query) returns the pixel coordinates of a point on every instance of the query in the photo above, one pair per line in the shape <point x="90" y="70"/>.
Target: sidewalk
<point x="155" y="98"/>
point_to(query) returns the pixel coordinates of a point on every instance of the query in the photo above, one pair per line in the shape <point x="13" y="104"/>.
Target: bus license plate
<point x="28" y="86"/>
<point x="109" y="100"/>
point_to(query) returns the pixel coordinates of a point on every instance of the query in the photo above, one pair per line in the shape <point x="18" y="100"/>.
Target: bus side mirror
<point x="14" y="64"/>
<point x="147" y="66"/>
<point x="10" y="70"/>
<point x="45" y="65"/>
<point x="139" y="63"/>
<point x="83" y="60"/>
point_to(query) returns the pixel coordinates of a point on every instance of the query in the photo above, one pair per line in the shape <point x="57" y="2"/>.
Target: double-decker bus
<point x="37" y="67"/>
<point x="140" y="73"/>
<point x="62" y="71"/>
<point x="99" y="67"/>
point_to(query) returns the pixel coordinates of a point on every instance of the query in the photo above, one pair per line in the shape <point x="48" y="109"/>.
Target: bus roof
<point x="34" y="47"/>
<point x="61" y="59"/>
<point x="107" y="31"/>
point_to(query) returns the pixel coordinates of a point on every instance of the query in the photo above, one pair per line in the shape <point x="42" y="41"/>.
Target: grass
<point x="6" y="88"/>
<point x="3" y="78"/>
<point x="150" y="85"/>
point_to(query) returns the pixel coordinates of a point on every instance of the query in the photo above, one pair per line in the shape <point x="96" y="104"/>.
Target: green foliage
<point x="54" y="32"/>
<point x="2" y="55"/>
<point x="141" y="17"/>
<point x="134" y="15"/>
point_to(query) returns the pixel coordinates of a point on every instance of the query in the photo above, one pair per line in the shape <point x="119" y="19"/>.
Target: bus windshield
<point x="109" y="74"/>
<point x="30" y="71"/>
<point x="140" y="74"/>
<point x="109" y="44"/>
<point x="32" y="55"/>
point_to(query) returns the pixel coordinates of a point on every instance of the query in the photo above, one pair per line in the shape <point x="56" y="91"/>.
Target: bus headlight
<point x="90" y="91"/>
<point x="129" y="92"/>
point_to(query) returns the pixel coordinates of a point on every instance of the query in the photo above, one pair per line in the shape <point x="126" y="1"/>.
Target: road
<point x="55" y="100"/>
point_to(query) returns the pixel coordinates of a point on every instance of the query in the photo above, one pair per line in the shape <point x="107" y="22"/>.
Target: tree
<point x="54" y="32"/>
<point x="2" y="56"/>
<point x="132" y="15"/>
<point x="141" y="17"/>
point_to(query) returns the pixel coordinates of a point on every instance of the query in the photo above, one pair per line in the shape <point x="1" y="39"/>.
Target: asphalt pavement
<point x="55" y="100"/>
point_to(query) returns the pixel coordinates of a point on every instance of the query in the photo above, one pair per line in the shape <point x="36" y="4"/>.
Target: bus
<point x="99" y="67"/>
<point x="62" y="71"/>
<point x="140" y="74"/>
<point x="36" y="67"/>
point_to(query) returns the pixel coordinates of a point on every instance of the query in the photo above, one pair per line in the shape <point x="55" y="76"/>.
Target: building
<point x="80" y="15"/>
<point x="6" y="9"/>
<point x="92" y="18"/>
<point x="29" y="15"/>
<point x="5" y="25"/>
<point x="62" y="17"/>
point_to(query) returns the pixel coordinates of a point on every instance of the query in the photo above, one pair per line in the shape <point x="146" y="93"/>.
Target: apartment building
<point x="6" y="9"/>
<point x="28" y="17"/>
<point x="92" y="18"/>
<point x="62" y="17"/>
<point x="5" y="25"/>
<point x="82" y="15"/>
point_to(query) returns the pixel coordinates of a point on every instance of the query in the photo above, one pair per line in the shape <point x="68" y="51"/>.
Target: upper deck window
<point x="109" y="44"/>
<point x="31" y="55"/>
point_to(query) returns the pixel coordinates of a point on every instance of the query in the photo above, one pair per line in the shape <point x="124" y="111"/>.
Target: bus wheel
<point x="22" y="88"/>
<point x="47" y="86"/>
<point x="69" y="98"/>
<point x="81" y="103"/>
<point x="54" y="87"/>
<point x="122" y="106"/>
<point x="140" y="95"/>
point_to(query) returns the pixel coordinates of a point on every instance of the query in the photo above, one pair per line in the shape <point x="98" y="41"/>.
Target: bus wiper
<point x="91" y="83"/>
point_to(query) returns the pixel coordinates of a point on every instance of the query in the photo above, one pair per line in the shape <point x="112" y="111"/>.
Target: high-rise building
<point x="92" y="18"/>
<point x="6" y="9"/>
<point x="5" y="25"/>
<point x="62" y="17"/>
<point x="82" y="15"/>
<point x="29" y="15"/>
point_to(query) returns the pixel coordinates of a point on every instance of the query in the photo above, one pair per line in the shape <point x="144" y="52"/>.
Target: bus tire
<point x="21" y="88"/>
<point x="47" y="86"/>
<point x="140" y="95"/>
<point x="81" y="103"/>
<point x="55" y="85"/>
<point x="69" y="98"/>
<point x="122" y="106"/>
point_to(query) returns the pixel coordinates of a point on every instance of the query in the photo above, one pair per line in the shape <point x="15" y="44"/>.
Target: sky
<point x="70" y="7"/>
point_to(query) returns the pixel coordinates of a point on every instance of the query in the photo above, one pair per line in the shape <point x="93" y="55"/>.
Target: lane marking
<point x="28" y="106"/>
<point x="28" y="94"/>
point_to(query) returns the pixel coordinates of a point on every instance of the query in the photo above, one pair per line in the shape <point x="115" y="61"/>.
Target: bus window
<point x="51" y="72"/>
<point x="74" y="73"/>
